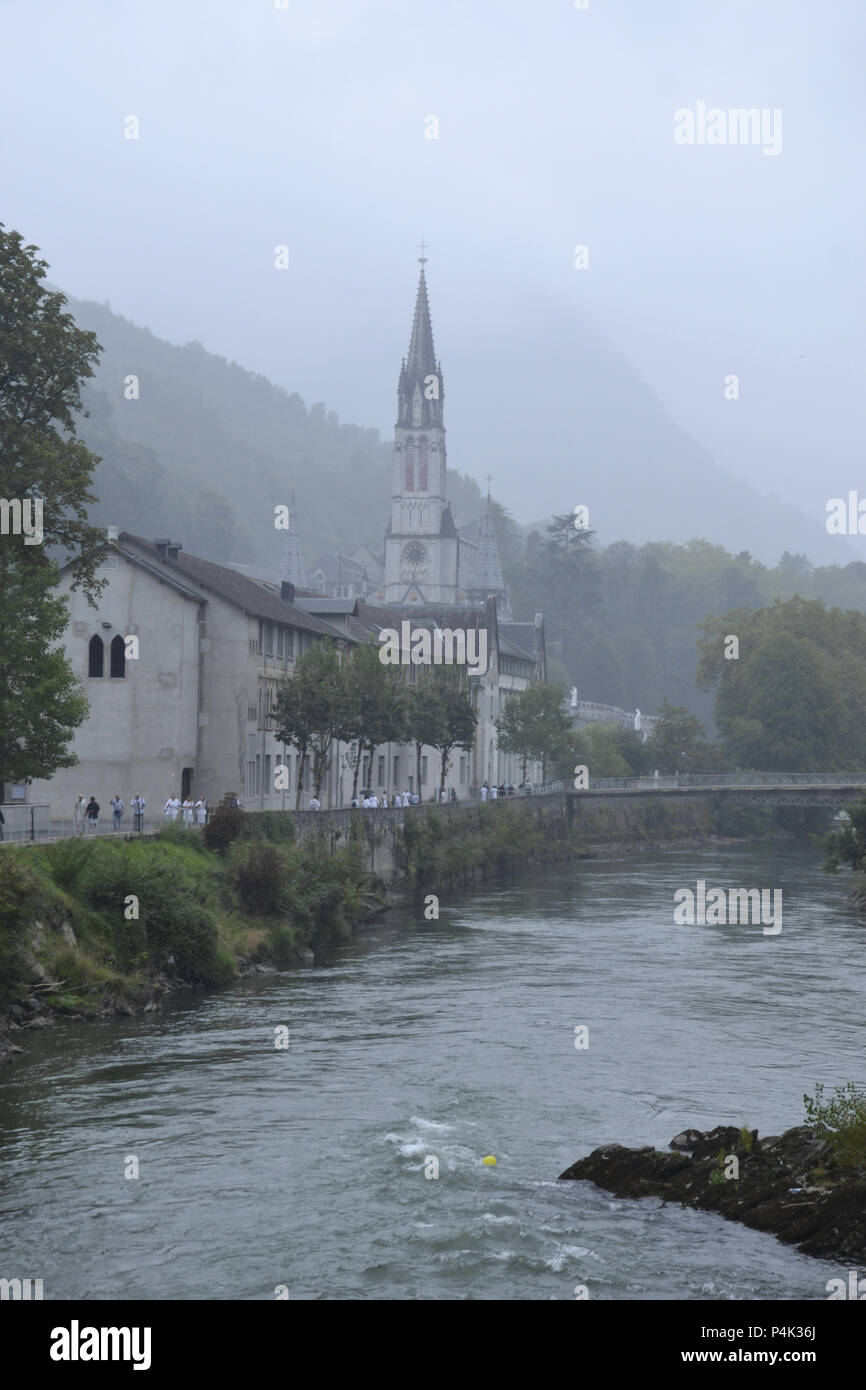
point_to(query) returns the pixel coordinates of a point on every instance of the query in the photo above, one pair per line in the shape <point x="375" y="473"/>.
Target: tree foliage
<point x="535" y="726"/>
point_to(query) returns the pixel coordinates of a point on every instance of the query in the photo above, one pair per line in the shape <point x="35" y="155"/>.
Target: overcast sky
<point x="306" y="126"/>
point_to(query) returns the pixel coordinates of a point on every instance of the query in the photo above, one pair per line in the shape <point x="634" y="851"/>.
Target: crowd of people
<point x="86" y="814"/>
<point x="368" y="800"/>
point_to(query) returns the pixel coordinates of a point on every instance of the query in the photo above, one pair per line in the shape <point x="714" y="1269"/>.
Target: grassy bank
<point x="90" y="927"/>
<point x="86" y="924"/>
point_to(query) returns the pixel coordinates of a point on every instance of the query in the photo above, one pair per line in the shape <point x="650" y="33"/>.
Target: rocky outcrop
<point x="786" y="1184"/>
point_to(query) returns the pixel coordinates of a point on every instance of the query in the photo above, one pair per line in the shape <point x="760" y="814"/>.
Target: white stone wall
<point x="141" y="730"/>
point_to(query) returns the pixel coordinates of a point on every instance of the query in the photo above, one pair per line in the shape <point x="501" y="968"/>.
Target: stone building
<point x="181" y="657"/>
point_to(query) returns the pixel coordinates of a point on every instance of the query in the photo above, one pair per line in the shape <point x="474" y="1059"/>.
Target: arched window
<point x="95" y="656"/>
<point x="118" y="657"/>
<point x="422" y="465"/>
<point x="410" y="466"/>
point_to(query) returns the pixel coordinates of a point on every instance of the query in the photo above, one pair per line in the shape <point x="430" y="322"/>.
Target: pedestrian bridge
<point x="757" y="788"/>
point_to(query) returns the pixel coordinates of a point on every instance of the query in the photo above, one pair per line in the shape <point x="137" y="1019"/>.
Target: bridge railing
<point x="720" y="780"/>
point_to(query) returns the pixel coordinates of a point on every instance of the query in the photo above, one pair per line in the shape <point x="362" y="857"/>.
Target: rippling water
<point x="451" y="1039"/>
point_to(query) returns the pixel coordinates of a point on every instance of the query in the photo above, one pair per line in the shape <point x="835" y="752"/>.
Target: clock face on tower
<point x="414" y="554"/>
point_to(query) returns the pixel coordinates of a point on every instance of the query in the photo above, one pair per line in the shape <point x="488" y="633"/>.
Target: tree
<point x="293" y="723"/>
<point x="41" y="703"/>
<point x="534" y="725"/>
<point x="678" y="743"/>
<point x="441" y="714"/>
<point x="310" y="710"/>
<point x="424" y="720"/>
<point x="791" y="701"/>
<point x="44" y="360"/>
<point x="609" y="750"/>
<point x="375" y="702"/>
<point x="459" y="716"/>
<point x="45" y="478"/>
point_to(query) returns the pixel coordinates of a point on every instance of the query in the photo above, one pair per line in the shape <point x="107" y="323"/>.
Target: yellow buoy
<point x="490" y="1161"/>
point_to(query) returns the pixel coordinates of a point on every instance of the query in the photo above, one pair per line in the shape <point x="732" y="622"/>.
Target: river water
<point x="449" y="1039"/>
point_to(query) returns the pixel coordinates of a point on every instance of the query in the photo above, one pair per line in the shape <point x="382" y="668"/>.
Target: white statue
<point x="637" y="721"/>
<point x="574" y="697"/>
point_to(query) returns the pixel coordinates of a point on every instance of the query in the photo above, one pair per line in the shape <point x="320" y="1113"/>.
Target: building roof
<point x="253" y="596"/>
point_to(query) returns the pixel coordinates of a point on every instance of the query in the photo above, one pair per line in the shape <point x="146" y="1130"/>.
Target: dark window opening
<point x="118" y="657"/>
<point x="95" y="656"/>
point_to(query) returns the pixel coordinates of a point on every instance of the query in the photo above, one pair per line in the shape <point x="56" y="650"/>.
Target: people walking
<point x="494" y="792"/>
<point x="171" y="807"/>
<point x="79" y="815"/>
<point x="117" y="810"/>
<point x="201" y="811"/>
<point x="315" y="804"/>
<point x="188" y="809"/>
<point x="483" y="791"/>
<point x="92" y="814"/>
<point x="138" y="804"/>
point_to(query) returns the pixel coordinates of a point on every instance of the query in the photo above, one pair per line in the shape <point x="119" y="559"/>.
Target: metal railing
<point x="24" y="821"/>
<point x="719" y="781"/>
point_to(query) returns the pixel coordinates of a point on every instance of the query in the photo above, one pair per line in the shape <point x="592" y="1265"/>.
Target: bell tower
<point x="421" y="542"/>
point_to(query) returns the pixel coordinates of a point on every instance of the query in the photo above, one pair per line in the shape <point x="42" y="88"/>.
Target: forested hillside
<point x="208" y="449"/>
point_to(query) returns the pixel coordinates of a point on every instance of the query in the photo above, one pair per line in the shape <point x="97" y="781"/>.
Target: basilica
<point x="187" y="709"/>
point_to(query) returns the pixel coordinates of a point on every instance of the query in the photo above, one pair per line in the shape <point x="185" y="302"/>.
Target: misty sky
<point x="306" y="126"/>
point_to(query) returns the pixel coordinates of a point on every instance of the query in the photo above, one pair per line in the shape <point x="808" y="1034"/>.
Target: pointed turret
<point x="486" y="577"/>
<point x="420" y="390"/>
<point x="292" y="559"/>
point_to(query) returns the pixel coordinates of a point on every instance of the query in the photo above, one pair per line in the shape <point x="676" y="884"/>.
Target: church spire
<point x="486" y="576"/>
<point x="292" y="559"/>
<point x="420" y="391"/>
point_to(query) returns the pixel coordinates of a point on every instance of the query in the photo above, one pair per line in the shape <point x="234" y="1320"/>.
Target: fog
<point x="308" y="127"/>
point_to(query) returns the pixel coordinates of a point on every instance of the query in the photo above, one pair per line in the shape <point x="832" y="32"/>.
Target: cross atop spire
<point x="422" y="259"/>
<point x="489" y="481"/>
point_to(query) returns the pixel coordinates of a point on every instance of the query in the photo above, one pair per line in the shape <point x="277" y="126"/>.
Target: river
<point x="449" y="1039"/>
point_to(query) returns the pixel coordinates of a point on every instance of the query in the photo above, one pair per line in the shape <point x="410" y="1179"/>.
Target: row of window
<point x="96" y="657"/>
<point x="275" y="640"/>
<point x="255" y="767"/>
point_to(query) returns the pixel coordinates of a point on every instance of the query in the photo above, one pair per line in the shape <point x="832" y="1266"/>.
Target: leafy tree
<point x="608" y="750"/>
<point x="534" y="725"/>
<point x="425" y="720"/>
<point x="311" y="711"/>
<point x="440" y="713"/>
<point x="293" y="722"/>
<point x="792" y="699"/>
<point x="375" y="705"/>
<point x="459" y="717"/>
<point x="44" y="358"/>
<point x="678" y="743"/>
<point x="848" y="845"/>
<point x="41" y="703"/>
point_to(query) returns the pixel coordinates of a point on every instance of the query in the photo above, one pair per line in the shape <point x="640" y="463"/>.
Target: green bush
<point x="841" y="1121"/>
<point x="260" y="877"/>
<point x="225" y="825"/>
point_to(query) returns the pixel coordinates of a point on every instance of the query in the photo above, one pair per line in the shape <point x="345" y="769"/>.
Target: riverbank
<point x="788" y="1185"/>
<point x="100" y="928"/>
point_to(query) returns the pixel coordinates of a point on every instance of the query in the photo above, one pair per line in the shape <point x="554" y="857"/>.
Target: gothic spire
<point x="292" y="559"/>
<point x="420" y="374"/>
<point x="486" y="577"/>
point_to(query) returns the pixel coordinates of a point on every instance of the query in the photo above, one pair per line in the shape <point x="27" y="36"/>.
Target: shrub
<point x="260" y="877"/>
<point x="841" y="1121"/>
<point x="225" y="825"/>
